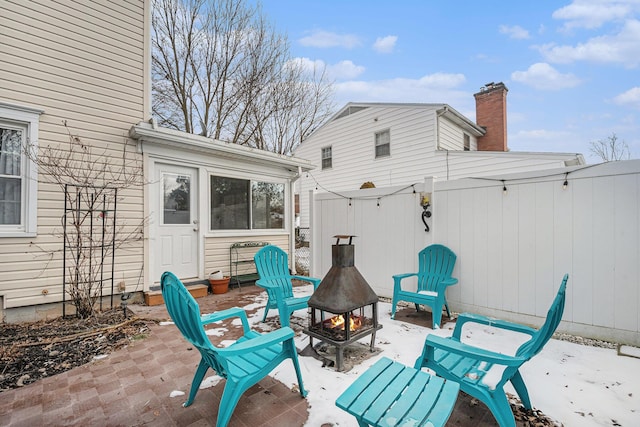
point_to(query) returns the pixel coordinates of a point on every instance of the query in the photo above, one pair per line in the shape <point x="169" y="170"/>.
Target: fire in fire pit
<point x="344" y="308"/>
<point x="338" y="323"/>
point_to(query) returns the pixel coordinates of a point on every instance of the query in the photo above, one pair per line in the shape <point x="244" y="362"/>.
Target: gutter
<point x="149" y="133"/>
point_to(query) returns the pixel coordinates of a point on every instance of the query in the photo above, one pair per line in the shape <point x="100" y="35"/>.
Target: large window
<point x="240" y="204"/>
<point x="383" y="143"/>
<point x="18" y="174"/>
<point x="326" y="157"/>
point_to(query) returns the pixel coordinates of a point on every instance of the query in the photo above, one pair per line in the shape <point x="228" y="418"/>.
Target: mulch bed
<point x="31" y="351"/>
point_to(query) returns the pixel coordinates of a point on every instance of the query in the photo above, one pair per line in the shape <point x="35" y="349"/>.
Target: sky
<point x="575" y="384"/>
<point x="572" y="68"/>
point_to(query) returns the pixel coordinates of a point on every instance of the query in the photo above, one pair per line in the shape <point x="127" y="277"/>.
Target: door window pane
<point x="177" y="193"/>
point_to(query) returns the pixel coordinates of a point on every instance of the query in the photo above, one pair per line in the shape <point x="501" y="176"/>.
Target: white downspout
<point x="292" y="229"/>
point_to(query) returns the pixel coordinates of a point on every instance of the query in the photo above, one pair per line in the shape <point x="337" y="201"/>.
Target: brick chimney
<point x="491" y="114"/>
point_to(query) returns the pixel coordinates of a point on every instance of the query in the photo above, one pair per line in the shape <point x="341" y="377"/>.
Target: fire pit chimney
<point x="343" y="288"/>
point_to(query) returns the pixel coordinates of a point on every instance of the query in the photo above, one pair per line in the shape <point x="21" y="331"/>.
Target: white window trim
<point x="376" y="145"/>
<point x="250" y="231"/>
<point x="322" y="158"/>
<point x="30" y="117"/>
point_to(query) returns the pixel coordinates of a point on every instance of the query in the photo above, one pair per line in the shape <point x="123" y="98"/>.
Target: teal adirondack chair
<point x="272" y="264"/>
<point x="435" y="266"/>
<point x="468" y="365"/>
<point x="243" y="363"/>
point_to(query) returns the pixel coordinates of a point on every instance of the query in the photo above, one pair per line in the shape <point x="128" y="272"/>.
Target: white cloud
<point x="324" y="39"/>
<point x="309" y="65"/>
<point x="514" y="32"/>
<point x="630" y="97"/>
<point x="543" y="76"/>
<point x="385" y="44"/>
<point x="442" y="80"/>
<point x="344" y="70"/>
<point x="547" y="141"/>
<point x="435" y="88"/>
<point x="623" y="48"/>
<point x="541" y="134"/>
<point x="592" y="14"/>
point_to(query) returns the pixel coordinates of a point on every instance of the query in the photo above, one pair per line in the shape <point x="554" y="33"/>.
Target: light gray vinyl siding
<point x="82" y="62"/>
<point x="420" y="147"/>
<point x="451" y="136"/>
<point x="353" y="147"/>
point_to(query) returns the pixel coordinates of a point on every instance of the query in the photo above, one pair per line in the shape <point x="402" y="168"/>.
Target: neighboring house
<point x="84" y="68"/>
<point x="391" y="144"/>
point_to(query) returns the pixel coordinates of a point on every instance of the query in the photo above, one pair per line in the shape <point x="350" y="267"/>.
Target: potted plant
<point x="218" y="283"/>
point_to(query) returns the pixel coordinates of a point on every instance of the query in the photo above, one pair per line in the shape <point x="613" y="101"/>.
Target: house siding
<point x="352" y="138"/>
<point x="83" y="64"/>
<point x="451" y="137"/>
<point x="423" y="143"/>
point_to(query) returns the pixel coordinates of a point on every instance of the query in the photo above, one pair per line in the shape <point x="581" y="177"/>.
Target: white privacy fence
<point x="513" y="246"/>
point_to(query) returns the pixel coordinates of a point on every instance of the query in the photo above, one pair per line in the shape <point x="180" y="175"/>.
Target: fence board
<point x="513" y="248"/>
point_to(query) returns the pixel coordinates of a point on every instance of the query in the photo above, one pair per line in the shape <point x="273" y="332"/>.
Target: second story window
<point x="383" y="143"/>
<point x="467" y="142"/>
<point x="326" y="157"/>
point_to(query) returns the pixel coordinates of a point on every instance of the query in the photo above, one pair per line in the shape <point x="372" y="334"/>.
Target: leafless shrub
<point x="90" y="179"/>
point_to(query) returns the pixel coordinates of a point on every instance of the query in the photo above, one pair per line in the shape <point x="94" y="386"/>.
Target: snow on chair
<point x="435" y="265"/>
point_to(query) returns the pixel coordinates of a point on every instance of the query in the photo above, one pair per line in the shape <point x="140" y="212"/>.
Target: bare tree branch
<point x="610" y="149"/>
<point x="221" y="70"/>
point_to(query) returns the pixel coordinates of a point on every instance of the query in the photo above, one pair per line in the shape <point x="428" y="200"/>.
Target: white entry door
<point x="178" y="223"/>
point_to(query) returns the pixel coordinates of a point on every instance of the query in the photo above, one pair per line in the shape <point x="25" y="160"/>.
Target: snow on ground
<point x="575" y="384"/>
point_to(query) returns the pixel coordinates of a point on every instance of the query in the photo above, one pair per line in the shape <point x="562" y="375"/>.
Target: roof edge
<point x="160" y="136"/>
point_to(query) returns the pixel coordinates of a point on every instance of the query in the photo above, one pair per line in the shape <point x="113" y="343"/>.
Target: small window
<point x="241" y="204"/>
<point x="383" y="143"/>
<point x="18" y="173"/>
<point x="467" y="142"/>
<point x="326" y="158"/>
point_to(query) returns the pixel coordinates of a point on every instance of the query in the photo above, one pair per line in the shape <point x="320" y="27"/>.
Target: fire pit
<point x="344" y="308"/>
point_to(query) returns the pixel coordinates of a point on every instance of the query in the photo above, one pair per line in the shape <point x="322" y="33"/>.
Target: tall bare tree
<point x="222" y="71"/>
<point x="610" y="149"/>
